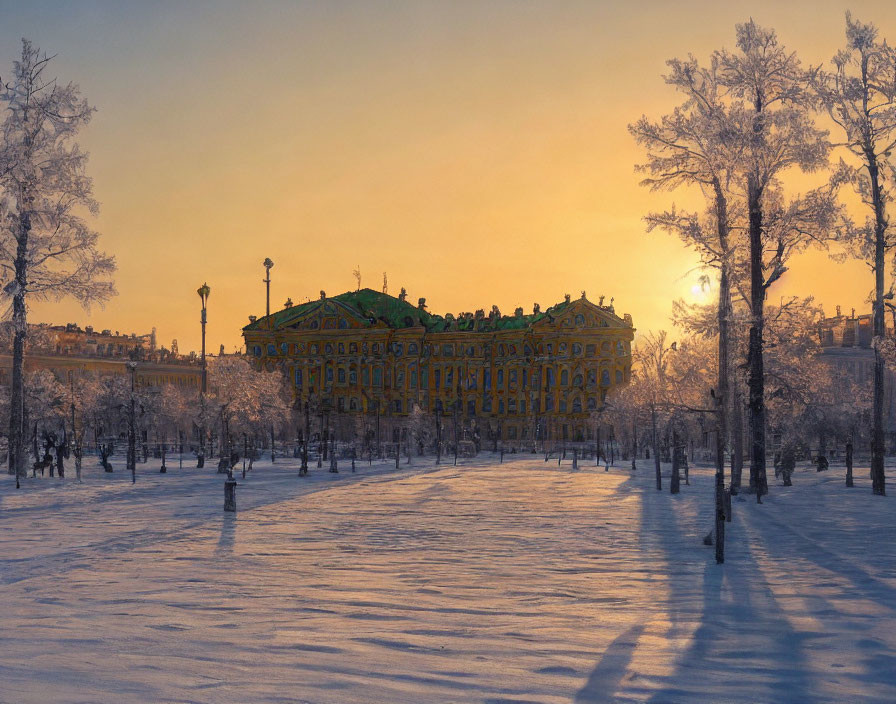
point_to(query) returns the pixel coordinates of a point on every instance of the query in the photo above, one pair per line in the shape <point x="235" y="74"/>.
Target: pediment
<point x="580" y="313"/>
<point x="325" y="315"/>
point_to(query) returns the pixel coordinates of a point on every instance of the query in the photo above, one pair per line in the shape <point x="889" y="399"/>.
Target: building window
<point x="272" y="350"/>
<point x="511" y="432"/>
<point x="471" y="380"/>
<point x="522" y="407"/>
<point x="377" y="376"/>
<point x="500" y="379"/>
<point x="284" y="348"/>
<point x="449" y="377"/>
<point x="471" y="351"/>
<point x="564" y="377"/>
<point x="549" y="403"/>
<point x="512" y="377"/>
<point x="577" y="380"/>
<point x="353" y="404"/>
<point x="448" y="350"/>
<point x="487" y="404"/>
<point x="424" y="378"/>
<point x="329" y="376"/>
<point x="562" y="349"/>
<point x="592" y="403"/>
<point x="501" y="406"/>
<point x="397" y="349"/>
<point x="437" y="377"/>
<point x="353" y="377"/>
<point x="576" y="349"/>
<point x="471" y="407"/>
<point x="314" y="349"/>
<point x="257" y="350"/>
<point x="511" y="405"/>
<point x="562" y="405"/>
<point x="487" y="379"/>
<point x="340" y="404"/>
<point x="577" y="405"/>
<point x="341" y="348"/>
<point x="365" y="377"/>
<point x="399" y="378"/>
<point x="340" y="375"/>
<point x="590" y="350"/>
<point x="413" y="376"/>
<point x="352" y="347"/>
<point x="396" y="405"/>
<point x="550" y="348"/>
<point x="527" y="350"/>
<point x="592" y="377"/>
<point x="298" y="378"/>
<point x="328" y="350"/>
<point x="620" y="348"/>
<point x="605" y="377"/>
<point x="412" y="348"/>
<point x="343" y="323"/>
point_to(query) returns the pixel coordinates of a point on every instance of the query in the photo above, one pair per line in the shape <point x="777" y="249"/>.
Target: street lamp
<point x="132" y="419"/>
<point x="268" y="264"/>
<point x="203" y="292"/>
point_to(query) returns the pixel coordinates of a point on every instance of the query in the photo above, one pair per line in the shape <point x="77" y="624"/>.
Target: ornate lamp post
<point x="268" y="265"/>
<point x="203" y="292"/>
<point x="132" y="420"/>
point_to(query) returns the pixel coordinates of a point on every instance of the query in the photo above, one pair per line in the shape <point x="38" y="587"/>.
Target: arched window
<point x="353" y="376"/>
<point x="340" y="375"/>
<point x="592" y="403"/>
<point x="564" y="377"/>
<point x="549" y="379"/>
<point x="577" y="405"/>
<point x="562" y="405"/>
<point x="328" y="349"/>
<point x="399" y="378"/>
<point x="605" y="377"/>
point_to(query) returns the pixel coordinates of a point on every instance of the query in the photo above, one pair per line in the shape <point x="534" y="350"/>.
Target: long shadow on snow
<point x="661" y="530"/>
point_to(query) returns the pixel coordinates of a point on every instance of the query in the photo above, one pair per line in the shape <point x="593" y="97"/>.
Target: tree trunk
<point x="878" y="480"/>
<point x="656" y="451"/>
<point x="756" y="381"/>
<point x="737" y="437"/>
<point x="724" y="317"/>
<point x="675" y="482"/>
<point x="849" y="463"/>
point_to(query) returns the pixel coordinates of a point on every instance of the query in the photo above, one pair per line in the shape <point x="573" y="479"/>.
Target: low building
<point x="515" y="378"/>
<point x="68" y="349"/>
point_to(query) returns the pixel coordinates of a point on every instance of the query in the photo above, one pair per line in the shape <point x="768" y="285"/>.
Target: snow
<point x="487" y="582"/>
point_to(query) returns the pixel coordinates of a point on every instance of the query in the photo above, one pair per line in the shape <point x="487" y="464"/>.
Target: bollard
<point x="502" y="455"/>
<point x="575" y="458"/>
<point x="230" y="495"/>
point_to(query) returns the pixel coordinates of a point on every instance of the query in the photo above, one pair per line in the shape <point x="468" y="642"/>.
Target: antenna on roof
<point x="385" y="283"/>
<point x="357" y="274"/>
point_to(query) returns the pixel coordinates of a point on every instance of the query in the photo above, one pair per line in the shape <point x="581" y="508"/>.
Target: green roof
<point x="395" y="313"/>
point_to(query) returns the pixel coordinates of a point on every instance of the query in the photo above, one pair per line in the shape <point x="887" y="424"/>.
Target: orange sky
<point x="477" y="152"/>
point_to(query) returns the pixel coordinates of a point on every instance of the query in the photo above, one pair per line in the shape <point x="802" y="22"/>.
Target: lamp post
<point x="268" y="264"/>
<point x="132" y="418"/>
<point x="304" y="469"/>
<point x="203" y="292"/>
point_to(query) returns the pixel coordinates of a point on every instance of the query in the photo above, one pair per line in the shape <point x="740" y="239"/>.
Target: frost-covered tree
<point x="772" y="111"/>
<point x="47" y="250"/>
<point x="860" y="96"/>
<point x="245" y="399"/>
<point x="694" y="146"/>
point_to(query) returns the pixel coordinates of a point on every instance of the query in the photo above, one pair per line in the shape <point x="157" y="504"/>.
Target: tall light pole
<point x="203" y="292"/>
<point x="268" y="264"/>
<point x="132" y="422"/>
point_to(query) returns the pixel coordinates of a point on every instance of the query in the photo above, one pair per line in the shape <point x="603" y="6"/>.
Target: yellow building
<point x="543" y="375"/>
<point x="65" y="349"/>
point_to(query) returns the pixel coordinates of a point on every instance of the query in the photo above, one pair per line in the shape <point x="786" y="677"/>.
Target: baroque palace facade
<point x="365" y="354"/>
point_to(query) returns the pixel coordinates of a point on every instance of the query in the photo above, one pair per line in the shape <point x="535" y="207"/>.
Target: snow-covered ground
<point x="522" y="582"/>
